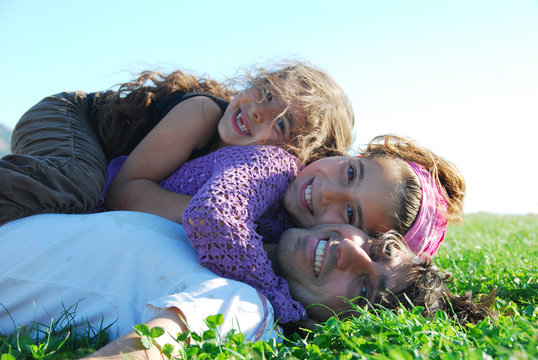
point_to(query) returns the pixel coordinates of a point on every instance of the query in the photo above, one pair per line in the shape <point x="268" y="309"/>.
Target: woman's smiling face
<point x="346" y="190"/>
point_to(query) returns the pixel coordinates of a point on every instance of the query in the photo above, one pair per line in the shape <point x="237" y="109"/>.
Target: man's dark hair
<point x="427" y="286"/>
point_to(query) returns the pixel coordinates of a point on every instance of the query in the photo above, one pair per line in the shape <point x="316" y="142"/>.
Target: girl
<point x="296" y="107"/>
<point x="243" y="197"/>
<point x="61" y="146"/>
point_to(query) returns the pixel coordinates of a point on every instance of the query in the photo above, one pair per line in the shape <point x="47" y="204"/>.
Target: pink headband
<point x="428" y="230"/>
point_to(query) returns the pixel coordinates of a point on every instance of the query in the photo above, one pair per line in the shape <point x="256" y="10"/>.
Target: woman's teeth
<point x="240" y="125"/>
<point x="320" y="250"/>
<point x="308" y="197"/>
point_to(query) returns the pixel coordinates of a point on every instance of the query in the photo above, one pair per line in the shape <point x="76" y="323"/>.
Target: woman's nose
<point x="352" y="257"/>
<point x="331" y="193"/>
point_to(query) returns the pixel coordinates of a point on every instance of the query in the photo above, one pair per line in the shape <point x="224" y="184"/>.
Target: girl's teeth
<point x="320" y="249"/>
<point x="240" y="124"/>
<point x="308" y="197"/>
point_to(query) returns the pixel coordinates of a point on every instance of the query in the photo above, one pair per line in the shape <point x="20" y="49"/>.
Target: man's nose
<point x="352" y="257"/>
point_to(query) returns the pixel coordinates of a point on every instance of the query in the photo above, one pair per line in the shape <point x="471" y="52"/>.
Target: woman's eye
<point x="350" y="174"/>
<point x="281" y="125"/>
<point x="350" y="215"/>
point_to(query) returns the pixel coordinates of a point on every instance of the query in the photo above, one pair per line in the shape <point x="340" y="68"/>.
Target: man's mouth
<point x="240" y="123"/>
<point x="308" y="197"/>
<point x="320" y="251"/>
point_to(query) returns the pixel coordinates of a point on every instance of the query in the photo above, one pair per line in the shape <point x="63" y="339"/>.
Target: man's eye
<point x="350" y="174"/>
<point x="387" y="251"/>
<point x="350" y="215"/>
<point x="364" y="290"/>
<point x="374" y="255"/>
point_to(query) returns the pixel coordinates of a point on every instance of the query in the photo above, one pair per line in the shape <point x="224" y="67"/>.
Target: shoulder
<point x="254" y="154"/>
<point x="199" y="102"/>
<point x="263" y="151"/>
<point x="195" y="119"/>
<point x="272" y="151"/>
<point x="242" y="307"/>
<point x="275" y="156"/>
<point x="255" y="159"/>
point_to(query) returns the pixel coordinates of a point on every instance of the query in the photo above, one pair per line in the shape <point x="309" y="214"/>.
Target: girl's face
<point x="255" y="115"/>
<point x="346" y="190"/>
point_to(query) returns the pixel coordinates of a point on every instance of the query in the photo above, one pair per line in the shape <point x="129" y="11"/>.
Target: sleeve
<point x="244" y="309"/>
<point x="220" y="221"/>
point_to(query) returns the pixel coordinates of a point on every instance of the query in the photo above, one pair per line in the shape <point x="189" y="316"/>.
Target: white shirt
<point x="119" y="268"/>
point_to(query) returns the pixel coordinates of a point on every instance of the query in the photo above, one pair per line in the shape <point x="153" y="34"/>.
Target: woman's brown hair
<point x="452" y="183"/>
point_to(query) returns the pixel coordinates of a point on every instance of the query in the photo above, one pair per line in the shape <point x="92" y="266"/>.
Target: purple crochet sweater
<point x="236" y="206"/>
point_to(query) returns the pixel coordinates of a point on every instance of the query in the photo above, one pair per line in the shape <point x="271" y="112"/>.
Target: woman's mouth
<point x="320" y="252"/>
<point x="308" y="197"/>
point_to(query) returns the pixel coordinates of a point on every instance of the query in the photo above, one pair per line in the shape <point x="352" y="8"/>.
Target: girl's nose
<point x="352" y="257"/>
<point x="258" y="113"/>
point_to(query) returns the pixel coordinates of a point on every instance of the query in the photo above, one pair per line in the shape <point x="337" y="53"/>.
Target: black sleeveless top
<point x="157" y="112"/>
<point x="163" y="107"/>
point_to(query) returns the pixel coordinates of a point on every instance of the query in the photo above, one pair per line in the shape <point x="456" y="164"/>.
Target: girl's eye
<point x="268" y="95"/>
<point x="350" y="215"/>
<point x="350" y="174"/>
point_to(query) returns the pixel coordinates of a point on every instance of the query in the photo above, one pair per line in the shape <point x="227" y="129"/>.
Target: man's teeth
<point x="320" y="249"/>
<point x="308" y="197"/>
<point x="240" y="125"/>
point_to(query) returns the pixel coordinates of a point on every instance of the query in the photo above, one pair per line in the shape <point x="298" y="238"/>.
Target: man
<point x="123" y="268"/>
<point x="118" y="269"/>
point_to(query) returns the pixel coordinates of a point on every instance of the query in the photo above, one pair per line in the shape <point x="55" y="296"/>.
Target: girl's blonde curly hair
<point x="328" y="128"/>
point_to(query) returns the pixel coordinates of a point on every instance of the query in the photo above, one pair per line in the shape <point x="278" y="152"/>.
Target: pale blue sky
<point x="459" y="76"/>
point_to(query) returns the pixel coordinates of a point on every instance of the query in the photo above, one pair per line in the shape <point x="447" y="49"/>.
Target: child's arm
<point x="187" y="127"/>
<point x="220" y="220"/>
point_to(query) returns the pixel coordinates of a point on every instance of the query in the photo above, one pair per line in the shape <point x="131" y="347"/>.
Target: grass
<point x="487" y="251"/>
<point x="61" y="339"/>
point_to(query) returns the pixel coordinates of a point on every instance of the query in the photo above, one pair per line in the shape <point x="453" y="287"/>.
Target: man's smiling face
<point x="327" y="263"/>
